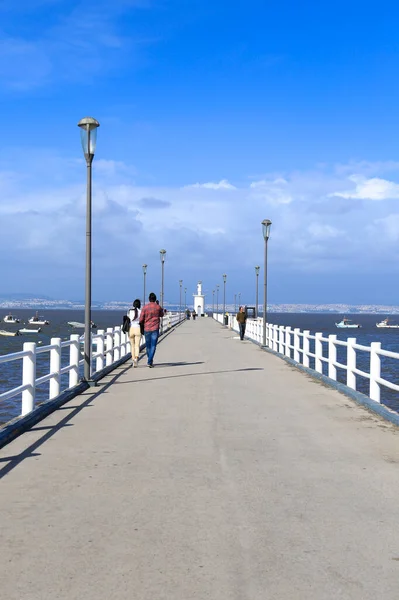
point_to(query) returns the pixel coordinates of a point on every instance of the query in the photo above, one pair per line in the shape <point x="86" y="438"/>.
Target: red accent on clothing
<point x="150" y="316"/>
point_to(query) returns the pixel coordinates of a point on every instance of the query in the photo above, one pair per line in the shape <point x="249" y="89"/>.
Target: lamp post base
<point x="90" y="382"/>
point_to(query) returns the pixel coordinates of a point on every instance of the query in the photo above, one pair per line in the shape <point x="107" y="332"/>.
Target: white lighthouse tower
<point x="199" y="301"/>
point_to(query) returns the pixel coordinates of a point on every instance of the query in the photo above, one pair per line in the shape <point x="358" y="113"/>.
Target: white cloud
<point x="323" y="232"/>
<point x="274" y="192"/>
<point x="387" y="228"/>
<point x="112" y="168"/>
<point x="370" y="189"/>
<point x="222" y="185"/>
<point x="367" y="168"/>
<point x="203" y="228"/>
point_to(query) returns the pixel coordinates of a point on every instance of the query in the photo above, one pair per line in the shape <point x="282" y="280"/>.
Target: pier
<point x="222" y="473"/>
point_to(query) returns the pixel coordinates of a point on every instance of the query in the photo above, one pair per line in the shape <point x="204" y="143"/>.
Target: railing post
<point x="318" y="350"/>
<point x="117" y="343"/>
<point x="375" y="371"/>
<point x="306" y="348"/>
<point x="332" y="357"/>
<point x="74" y="358"/>
<point x="351" y="363"/>
<point x="100" y="350"/>
<point x="297" y="356"/>
<point x="123" y="344"/>
<point x="275" y="338"/>
<point x="29" y="378"/>
<point x="110" y="346"/>
<point x="288" y="341"/>
<point x="55" y="368"/>
<point x="281" y="339"/>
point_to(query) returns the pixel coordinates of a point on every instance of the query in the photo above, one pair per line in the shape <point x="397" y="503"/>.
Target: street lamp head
<point x="218" y="286"/>
<point x="181" y="282"/>
<point x="162" y="255"/>
<point x="266" y="224"/>
<point x="224" y="278"/>
<point x="88" y="133"/>
<point x="257" y="269"/>
<point x="144" y="269"/>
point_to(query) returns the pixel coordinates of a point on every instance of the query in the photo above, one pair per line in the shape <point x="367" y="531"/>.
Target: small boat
<point x="386" y="325"/>
<point x="36" y="320"/>
<point x="26" y="330"/>
<point x="77" y="325"/>
<point x="347" y="324"/>
<point x="9" y="333"/>
<point x="10" y="319"/>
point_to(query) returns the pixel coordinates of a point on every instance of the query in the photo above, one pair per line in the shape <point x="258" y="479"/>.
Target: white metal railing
<point x="108" y="347"/>
<point x="296" y="344"/>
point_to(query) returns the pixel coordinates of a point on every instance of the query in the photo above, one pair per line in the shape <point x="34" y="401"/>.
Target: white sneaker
<point x="135" y="362"/>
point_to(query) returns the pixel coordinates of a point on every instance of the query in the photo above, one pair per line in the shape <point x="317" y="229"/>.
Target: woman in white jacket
<point x="134" y="331"/>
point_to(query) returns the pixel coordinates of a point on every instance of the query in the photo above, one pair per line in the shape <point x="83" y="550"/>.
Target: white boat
<point x="347" y="324"/>
<point x="10" y="319"/>
<point x="26" y="330"/>
<point x="36" y="320"/>
<point x="77" y="325"/>
<point x="9" y="333"/>
<point x="386" y="325"/>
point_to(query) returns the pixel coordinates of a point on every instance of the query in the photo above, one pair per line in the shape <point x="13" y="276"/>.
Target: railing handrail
<point x="278" y="338"/>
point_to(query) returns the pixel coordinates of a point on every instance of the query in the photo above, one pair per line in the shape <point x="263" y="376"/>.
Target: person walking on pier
<point x="135" y="331"/>
<point x="150" y="318"/>
<point x="242" y="321"/>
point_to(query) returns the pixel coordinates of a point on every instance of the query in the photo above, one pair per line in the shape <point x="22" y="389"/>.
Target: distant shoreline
<point x="341" y="310"/>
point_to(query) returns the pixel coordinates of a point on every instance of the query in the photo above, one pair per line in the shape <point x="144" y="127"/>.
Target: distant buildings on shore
<point x="48" y="304"/>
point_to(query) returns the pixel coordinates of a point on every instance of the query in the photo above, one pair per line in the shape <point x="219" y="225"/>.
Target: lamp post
<point x="185" y="298"/>
<point x="266" y="225"/>
<point x="257" y="269"/>
<point x="239" y="300"/>
<point x="235" y="303"/>
<point x="88" y="129"/>
<point x="224" y="296"/>
<point x="213" y="302"/>
<point x="144" y="277"/>
<point x="181" y="284"/>
<point x="162" y="257"/>
<point x="217" y="299"/>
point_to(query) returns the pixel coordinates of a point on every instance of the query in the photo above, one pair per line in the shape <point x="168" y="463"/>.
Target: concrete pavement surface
<point x="222" y="473"/>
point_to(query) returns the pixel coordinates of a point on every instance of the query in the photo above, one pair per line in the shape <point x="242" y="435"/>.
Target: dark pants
<point x="151" y="339"/>
<point x="242" y="330"/>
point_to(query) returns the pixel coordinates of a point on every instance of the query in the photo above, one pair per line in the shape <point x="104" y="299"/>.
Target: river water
<point x="11" y="373"/>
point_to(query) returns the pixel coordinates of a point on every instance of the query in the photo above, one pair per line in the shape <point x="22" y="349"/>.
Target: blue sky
<point x="214" y="116"/>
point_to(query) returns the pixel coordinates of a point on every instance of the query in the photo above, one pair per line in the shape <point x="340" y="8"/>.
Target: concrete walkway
<point x="222" y="473"/>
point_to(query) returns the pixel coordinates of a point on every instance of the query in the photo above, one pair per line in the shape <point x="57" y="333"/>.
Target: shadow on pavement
<point x="177" y="364"/>
<point x="188" y="375"/>
<point x="29" y="452"/>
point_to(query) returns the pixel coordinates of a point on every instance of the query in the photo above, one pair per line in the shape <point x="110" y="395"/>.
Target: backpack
<point x="126" y="324"/>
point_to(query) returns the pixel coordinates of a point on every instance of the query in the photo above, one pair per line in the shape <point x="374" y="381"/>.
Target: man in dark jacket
<point x="242" y="321"/>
